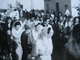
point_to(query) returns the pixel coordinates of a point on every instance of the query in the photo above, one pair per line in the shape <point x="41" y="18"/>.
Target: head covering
<point x="13" y="26"/>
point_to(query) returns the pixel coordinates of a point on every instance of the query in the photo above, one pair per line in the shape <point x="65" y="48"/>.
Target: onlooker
<point x="72" y="47"/>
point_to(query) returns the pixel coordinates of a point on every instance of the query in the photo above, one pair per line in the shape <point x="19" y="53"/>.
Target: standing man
<point x="26" y="47"/>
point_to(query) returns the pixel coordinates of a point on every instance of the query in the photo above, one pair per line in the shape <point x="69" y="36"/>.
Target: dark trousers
<point x="14" y="47"/>
<point x="24" y="56"/>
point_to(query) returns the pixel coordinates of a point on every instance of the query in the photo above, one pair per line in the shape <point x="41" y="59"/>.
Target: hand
<point x="8" y="32"/>
<point x="25" y="20"/>
<point x="35" y="55"/>
<point x="29" y="56"/>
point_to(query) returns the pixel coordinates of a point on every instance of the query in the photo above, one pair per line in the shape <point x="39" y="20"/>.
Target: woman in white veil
<point x="17" y="30"/>
<point x="44" y="45"/>
<point x="34" y="37"/>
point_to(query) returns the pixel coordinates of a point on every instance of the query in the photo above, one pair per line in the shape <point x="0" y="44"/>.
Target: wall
<point x="62" y="3"/>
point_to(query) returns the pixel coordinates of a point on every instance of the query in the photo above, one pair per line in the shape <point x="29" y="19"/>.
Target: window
<point x="66" y="7"/>
<point x="57" y="6"/>
<point x="47" y="8"/>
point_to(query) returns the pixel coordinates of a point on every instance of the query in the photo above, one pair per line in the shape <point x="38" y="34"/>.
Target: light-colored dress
<point x="44" y="44"/>
<point x="16" y="37"/>
<point x="34" y="39"/>
<point x="35" y="36"/>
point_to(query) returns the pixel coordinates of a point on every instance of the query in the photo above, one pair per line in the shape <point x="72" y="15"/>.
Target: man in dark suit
<point x="25" y="43"/>
<point x="25" y="14"/>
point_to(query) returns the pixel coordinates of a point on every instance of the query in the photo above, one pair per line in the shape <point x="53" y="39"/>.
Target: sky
<point x="38" y="4"/>
<point x="74" y="3"/>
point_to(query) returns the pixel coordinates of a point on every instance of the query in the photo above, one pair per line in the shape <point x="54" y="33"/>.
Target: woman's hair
<point x="76" y="29"/>
<point x="17" y="23"/>
<point x="8" y="19"/>
<point x="37" y="24"/>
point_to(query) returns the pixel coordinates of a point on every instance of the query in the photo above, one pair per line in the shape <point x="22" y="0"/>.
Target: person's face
<point x="77" y="37"/>
<point x="17" y="27"/>
<point x="47" y="22"/>
<point x="77" y="21"/>
<point x="9" y="21"/>
<point x="37" y="28"/>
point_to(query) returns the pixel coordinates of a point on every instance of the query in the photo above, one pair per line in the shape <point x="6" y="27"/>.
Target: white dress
<point x="18" y="42"/>
<point x="34" y="40"/>
<point x="16" y="37"/>
<point x="45" y="46"/>
<point x="45" y="49"/>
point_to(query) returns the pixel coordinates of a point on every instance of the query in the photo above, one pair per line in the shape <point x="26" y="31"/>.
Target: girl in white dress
<point x="16" y="33"/>
<point x="44" y="44"/>
<point x="33" y="37"/>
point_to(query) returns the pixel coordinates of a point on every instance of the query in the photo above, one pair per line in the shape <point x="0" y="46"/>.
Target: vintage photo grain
<point x="39" y="29"/>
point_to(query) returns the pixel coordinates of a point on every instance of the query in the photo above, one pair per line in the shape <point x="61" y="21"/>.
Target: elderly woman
<point x="72" y="47"/>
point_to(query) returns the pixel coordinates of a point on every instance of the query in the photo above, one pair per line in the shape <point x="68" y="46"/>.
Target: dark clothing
<point x="25" y="14"/>
<point x="2" y="40"/>
<point x="25" y="46"/>
<point x="14" y="47"/>
<point x="68" y="56"/>
<point x="56" y="37"/>
<point x="7" y="37"/>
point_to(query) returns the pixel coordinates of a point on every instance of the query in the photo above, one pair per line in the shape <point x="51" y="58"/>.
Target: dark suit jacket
<point x="25" y="46"/>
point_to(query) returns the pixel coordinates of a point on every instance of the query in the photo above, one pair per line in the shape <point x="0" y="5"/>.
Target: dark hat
<point x="17" y="23"/>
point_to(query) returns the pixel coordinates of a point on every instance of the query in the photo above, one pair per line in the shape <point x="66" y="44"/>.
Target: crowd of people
<point x="27" y="39"/>
<point x="34" y="35"/>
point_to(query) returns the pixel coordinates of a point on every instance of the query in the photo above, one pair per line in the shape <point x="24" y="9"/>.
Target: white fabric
<point x="35" y="36"/>
<point x="16" y="37"/>
<point x="44" y="44"/>
<point x="16" y="14"/>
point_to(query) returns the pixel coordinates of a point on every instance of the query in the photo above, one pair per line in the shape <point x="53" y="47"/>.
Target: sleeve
<point x="51" y="32"/>
<point x="51" y="47"/>
<point x="31" y="39"/>
<point x="14" y="33"/>
<point x="21" y="28"/>
<point x="39" y="48"/>
<point x="24" y="40"/>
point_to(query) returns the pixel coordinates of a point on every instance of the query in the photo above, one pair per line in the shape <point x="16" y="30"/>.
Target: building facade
<point x="54" y="5"/>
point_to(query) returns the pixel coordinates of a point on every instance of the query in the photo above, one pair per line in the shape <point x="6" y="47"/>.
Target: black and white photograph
<point x="39" y="29"/>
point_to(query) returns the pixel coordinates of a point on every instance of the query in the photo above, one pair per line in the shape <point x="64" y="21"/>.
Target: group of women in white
<point x="39" y="38"/>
